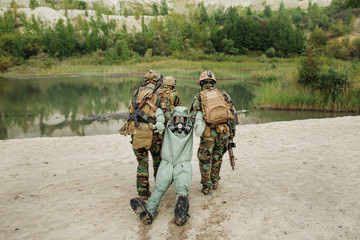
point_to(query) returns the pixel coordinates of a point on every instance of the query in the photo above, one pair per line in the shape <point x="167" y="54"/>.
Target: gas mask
<point x="179" y="125"/>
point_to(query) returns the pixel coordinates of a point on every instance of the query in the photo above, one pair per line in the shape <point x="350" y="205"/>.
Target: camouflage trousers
<point x="210" y="153"/>
<point x="142" y="156"/>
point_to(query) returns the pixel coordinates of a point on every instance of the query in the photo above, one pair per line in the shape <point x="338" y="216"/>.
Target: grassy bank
<point x="274" y="81"/>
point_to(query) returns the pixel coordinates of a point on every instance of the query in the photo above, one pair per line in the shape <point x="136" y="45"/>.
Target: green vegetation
<point x="262" y="48"/>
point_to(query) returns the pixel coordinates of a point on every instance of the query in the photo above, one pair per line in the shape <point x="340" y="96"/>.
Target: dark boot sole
<point x="139" y="208"/>
<point x="181" y="210"/>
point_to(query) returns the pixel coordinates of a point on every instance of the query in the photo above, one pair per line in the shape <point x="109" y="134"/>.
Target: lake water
<point x="56" y="107"/>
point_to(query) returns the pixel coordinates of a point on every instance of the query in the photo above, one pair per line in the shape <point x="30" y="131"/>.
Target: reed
<point x="274" y="80"/>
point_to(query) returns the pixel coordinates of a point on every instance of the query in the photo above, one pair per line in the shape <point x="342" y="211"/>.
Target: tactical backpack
<point x="170" y="95"/>
<point x="214" y="107"/>
<point x="150" y="106"/>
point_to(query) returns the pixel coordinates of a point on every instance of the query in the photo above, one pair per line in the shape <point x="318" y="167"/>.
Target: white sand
<point x="293" y="180"/>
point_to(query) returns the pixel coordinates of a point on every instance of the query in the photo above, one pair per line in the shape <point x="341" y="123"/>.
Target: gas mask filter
<point x="179" y="125"/>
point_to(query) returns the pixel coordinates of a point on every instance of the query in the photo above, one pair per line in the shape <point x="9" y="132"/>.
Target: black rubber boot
<point x="139" y="208"/>
<point x="181" y="210"/>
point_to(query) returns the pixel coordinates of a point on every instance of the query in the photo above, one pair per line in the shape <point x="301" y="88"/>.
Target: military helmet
<point x="152" y="75"/>
<point x="169" y="81"/>
<point x="207" y="75"/>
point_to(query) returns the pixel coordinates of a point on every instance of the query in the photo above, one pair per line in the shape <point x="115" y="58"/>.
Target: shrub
<point x="331" y="84"/>
<point x="309" y="70"/>
<point x="270" y="52"/>
<point x="5" y="63"/>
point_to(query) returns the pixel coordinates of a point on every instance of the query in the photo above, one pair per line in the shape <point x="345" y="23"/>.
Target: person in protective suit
<point x="175" y="167"/>
<point x="214" y="115"/>
<point x="147" y="137"/>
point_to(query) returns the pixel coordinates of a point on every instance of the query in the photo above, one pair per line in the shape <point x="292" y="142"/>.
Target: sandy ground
<point x="292" y="180"/>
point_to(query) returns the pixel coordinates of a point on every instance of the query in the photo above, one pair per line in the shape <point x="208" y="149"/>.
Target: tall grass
<point x="285" y="93"/>
<point x="274" y="80"/>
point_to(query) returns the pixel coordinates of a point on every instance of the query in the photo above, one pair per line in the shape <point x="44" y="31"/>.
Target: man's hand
<point x="159" y="127"/>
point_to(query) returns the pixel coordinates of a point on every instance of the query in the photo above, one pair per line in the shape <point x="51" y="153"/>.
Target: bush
<point x="270" y="52"/>
<point x="5" y="63"/>
<point x="331" y="84"/>
<point x="309" y="70"/>
<point x="267" y="78"/>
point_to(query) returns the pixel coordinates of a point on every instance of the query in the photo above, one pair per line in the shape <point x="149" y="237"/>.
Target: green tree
<point x="282" y="6"/>
<point x="19" y="46"/>
<point x="267" y="11"/>
<point x="318" y="37"/>
<point x="297" y="16"/>
<point x="352" y="3"/>
<point x="333" y="84"/>
<point x="33" y="4"/>
<point x="283" y="36"/>
<point x="248" y="11"/>
<point x="5" y="63"/>
<point x="330" y="84"/>
<point x="203" y="18"/>
<point x="309" y="70"/>
<point x="123" y="49"/>
<point x="155" y="10"/>
<point x="356" y="48"/>
<point x="7" y="23"/>
<point x="314" y="14"/>
<point x="246" y="34"/>
<point x="337" y="29"/>
<point x="209" y="48"/>
<point x="229" y="47"/>
<point x="164" y="8"/>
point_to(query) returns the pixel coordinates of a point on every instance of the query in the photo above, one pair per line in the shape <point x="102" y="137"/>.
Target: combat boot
<point x="139" y="207"/>
<point x="146" y="196"/>
<point x="215" y="185"/>
<point x="181" y="210"/>
<point x="206" y="191"/>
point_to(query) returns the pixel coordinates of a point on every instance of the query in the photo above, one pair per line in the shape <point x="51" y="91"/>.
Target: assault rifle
<point x="231" y="145"/>
<point x="138" y="113"/>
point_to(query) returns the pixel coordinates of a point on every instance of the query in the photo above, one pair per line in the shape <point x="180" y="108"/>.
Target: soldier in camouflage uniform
<point x="168" y="91"/>
<point x="215" y="137"/>
<point x="142" y="154"/>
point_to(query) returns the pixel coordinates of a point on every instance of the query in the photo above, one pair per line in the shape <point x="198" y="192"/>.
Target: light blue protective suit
<point x="175" y="166"/>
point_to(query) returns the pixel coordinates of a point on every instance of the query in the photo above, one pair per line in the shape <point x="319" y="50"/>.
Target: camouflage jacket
<point x="172" y="95"/>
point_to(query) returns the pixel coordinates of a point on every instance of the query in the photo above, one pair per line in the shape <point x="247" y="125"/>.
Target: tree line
<point x="197" y="35"/>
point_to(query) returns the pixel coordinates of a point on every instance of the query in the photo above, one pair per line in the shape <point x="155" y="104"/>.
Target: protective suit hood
<point x="178" y="138"/>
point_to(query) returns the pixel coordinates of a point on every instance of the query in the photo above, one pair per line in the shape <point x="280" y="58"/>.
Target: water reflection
<point x="56" y="106"/>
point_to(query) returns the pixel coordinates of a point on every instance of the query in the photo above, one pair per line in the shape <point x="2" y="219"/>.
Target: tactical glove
<point x="199" y="125"/>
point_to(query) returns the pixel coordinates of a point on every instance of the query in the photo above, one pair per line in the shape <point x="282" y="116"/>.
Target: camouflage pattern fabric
<point x="142" y="155"/>
<point x="212" y="149"/>
<point x="210" y="153"/>
<point x="172" y="95"/>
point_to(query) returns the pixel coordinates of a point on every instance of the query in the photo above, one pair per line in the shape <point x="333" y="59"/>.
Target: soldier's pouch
<point x="207" y="131"/>
<point x="127" y="129"/>
<point x="143" y="136"/>
<point x="222" y="128"/>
